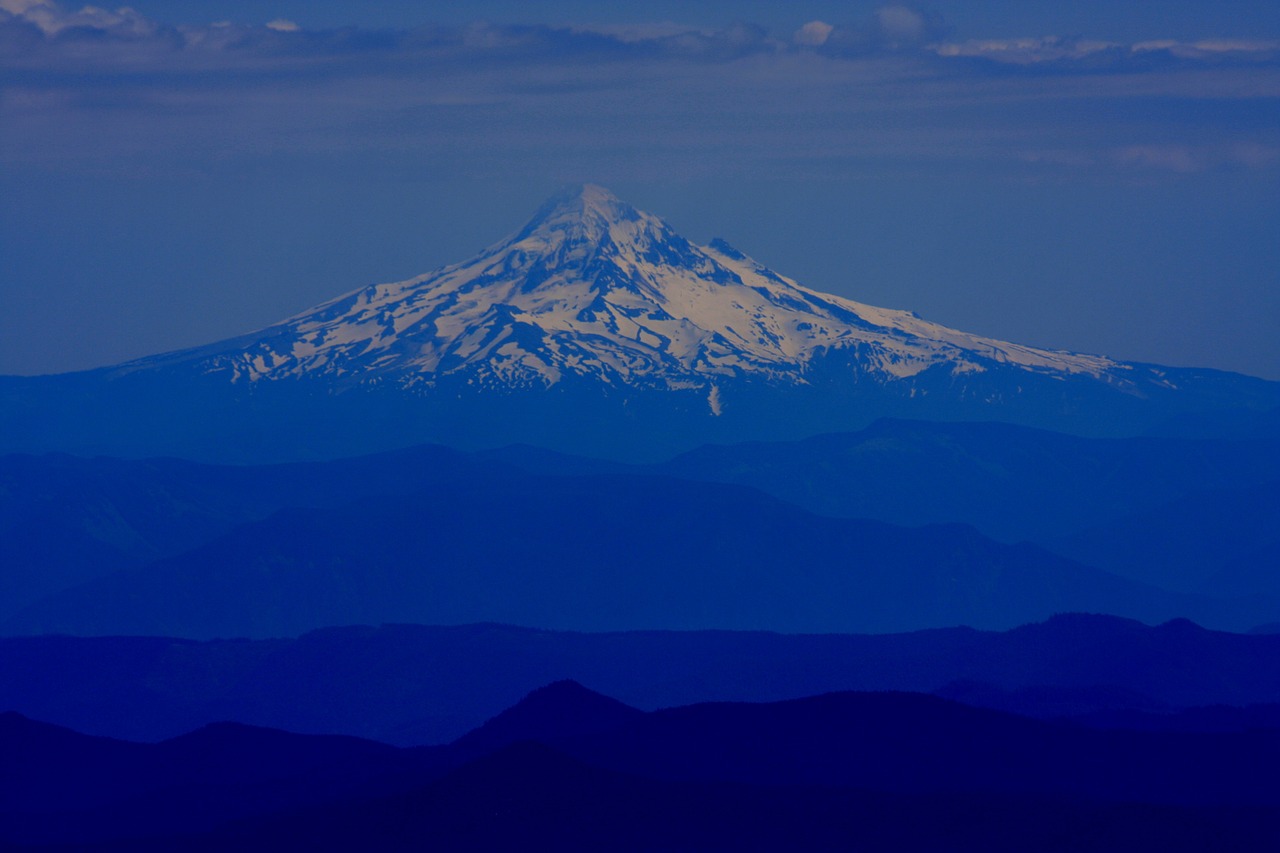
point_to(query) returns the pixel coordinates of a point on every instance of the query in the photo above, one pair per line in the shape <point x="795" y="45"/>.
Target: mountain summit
<point x="592" y="287"/>
<point x="594" y="328"/>
<point x="582" y="212"/>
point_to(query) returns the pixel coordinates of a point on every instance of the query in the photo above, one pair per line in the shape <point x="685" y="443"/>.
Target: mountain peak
<point x="583" y="212"/>
<point x="595" y="198"/>
<point x="560" y="709"/>
<point x="587" y="200"/>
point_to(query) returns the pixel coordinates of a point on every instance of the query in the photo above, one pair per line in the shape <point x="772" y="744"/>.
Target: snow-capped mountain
<point x="594" y="329"/>
<point x="592" y="287"/>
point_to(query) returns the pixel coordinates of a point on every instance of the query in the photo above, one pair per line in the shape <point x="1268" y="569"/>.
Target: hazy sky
<point x="1102" y="177"/>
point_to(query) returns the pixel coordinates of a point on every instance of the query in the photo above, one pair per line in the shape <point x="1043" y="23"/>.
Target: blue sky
<point x="1079" y="176"/>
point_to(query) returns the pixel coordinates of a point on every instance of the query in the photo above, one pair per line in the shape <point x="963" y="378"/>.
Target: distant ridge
<point x="434" y="684"/>
<point x="590" y="553"/>
<point x="112" y="546"/>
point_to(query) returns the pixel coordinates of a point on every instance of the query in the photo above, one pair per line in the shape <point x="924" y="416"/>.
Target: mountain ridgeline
<point x="595" y="328"/>
<point x="420" y="684"/>
<point x="599" y="453"/>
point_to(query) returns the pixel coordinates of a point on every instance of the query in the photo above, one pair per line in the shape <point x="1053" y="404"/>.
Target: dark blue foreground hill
<point x="61" y="786"/>
<point x="888" y="771"/>
<point x="906" y="742"/>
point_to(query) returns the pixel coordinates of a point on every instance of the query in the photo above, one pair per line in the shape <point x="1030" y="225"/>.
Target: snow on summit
<point x="593" y="288"/>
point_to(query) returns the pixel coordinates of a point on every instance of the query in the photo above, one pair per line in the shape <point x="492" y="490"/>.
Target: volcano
<point x="595" y="327"/>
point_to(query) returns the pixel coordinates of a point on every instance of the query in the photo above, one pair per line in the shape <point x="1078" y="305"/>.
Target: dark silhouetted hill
<point x="562" y="709"/>
<point x="65" y="787"/>
<point x="531" y="797"/>
<point x="881" y="771"/>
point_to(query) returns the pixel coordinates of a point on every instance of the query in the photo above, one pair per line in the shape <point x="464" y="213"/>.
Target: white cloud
<point x="1172" y="158"/>
<point x="1025" y="51"/>
<point x="813" y="33"/>
<point x="1184" y="159"/>
<point x="635" y="33"/>
<point x="283" y="25"/>
<point x="1209" y="48"/>
<point x="52" y="19"/>
<point x="900" y="24"/>
<point x="1224" y="45"/>
<point x="17" y="7"/>
<point x="1255" y="155"/>
<point x="1058" y="157"/>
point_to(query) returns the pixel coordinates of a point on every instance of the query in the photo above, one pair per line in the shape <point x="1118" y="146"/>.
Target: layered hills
<point x="589" y="553"/>
<point x="416" y="684"/>
<point x="850" y="532"/>
<point x="600" y="453"/>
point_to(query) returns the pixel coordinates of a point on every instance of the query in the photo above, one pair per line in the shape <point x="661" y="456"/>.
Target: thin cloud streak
<point x="41" y="34"/>
<point x="107" y="92"/>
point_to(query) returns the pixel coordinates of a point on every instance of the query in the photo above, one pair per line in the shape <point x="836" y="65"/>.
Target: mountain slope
<point x="1222" y="541"/>
<point x="1012" y="483"/>
<point x="66" y="520"/>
